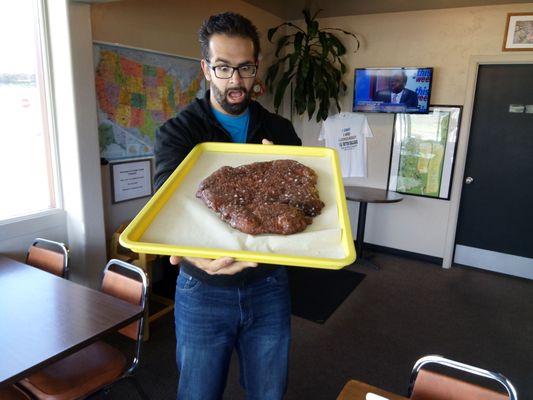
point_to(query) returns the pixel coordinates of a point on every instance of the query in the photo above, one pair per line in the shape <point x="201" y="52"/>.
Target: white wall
<point x="17" y="236"/>
<point x="75" y="117"/>
<point x="445" y="40"/>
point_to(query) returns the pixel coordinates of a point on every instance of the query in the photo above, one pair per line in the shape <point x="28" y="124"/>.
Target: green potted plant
<point x="312" y="64"/>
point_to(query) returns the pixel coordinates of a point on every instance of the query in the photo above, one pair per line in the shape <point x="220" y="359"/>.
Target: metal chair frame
<point x="61" y="246"/>
<point x="144" y="298"/>
<point x="436" y="359"/>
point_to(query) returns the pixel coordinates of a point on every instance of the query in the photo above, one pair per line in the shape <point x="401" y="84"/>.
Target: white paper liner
<point x="186" y="221"/>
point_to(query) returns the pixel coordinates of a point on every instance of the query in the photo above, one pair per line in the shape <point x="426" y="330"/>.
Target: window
<point x="28" y="178"/>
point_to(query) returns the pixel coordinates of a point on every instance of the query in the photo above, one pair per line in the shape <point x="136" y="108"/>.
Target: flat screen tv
<point x="392" y="90"/>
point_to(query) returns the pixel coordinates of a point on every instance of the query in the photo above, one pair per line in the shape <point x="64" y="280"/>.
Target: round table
<point x="365" y="195"/>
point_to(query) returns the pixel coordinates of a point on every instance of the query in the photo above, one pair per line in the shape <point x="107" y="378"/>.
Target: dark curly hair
<point x="230" y="24"/>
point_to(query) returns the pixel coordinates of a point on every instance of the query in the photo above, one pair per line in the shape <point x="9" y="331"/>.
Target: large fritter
<point x="263" y="197"/>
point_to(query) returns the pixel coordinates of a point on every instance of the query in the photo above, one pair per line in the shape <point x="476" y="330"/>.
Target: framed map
<point x="137" y="91"/>
<point x="423" y="152"/>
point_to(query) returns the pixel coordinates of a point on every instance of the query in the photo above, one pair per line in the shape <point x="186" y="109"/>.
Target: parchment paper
<point x="186" y="221"/>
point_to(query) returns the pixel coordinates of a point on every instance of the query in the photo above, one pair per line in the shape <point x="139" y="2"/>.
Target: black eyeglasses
<point x="226" y="71"/>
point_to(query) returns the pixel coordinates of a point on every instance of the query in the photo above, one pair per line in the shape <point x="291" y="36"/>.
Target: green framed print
<point x="423" y="152"/>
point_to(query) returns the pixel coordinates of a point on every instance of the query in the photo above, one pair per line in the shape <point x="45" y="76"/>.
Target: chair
<point x="144" y="261"/>
<point x="49" y="256"/>
<point x="429" y="385"/>
<point x="99" y="365"/>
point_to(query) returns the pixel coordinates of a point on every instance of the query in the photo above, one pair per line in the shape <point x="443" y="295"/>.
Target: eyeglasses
<point x="226" y="71"/>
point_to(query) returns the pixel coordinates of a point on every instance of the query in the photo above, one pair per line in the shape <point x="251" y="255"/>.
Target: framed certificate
<point x="423" y="152"/>
<point x="131" y="180"/>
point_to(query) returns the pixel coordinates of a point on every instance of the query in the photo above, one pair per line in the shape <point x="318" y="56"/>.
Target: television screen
<point x="392" y="90"/>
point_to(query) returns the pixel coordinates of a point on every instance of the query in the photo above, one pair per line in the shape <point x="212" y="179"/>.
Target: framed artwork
<point x="423" y="152"/>
<point x="137" y="90"/>
<point x="518" y="32"/>
<point x="131" y="180"/>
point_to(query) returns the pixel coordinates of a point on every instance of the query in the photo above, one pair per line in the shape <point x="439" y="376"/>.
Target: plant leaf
<point x="304" y="67"/>
<point x="335" y="42"/>
<point x="343" y="67"/>
<point x="281" y="42"/>
<point x="272" y="31"/>
<point x="325" y="45"/>
<point x="312" y="29"/>
<point x="358" y="43"/>
<point x="280" y="89"/>
<point x="311" y="102"/>
<point x="272" y="71"/>
<point x="307" y="16"/>
<point x="317" y="12"/>
<point x="298" y="42"/>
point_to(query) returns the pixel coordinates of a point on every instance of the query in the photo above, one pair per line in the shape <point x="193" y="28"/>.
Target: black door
<point x="496" y="212"/>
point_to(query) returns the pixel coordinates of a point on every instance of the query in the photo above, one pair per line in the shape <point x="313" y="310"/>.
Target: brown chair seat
<point x="13" y="393"/>
<point x="83" y="372"/>
<point x="431" y="385"/>
<point x="53" y="257"/>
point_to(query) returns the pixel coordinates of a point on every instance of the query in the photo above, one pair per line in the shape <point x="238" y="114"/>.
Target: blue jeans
<point x="212" y="320"/>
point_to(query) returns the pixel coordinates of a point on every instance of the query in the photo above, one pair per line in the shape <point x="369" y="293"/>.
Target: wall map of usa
<point x="137" y="91"/>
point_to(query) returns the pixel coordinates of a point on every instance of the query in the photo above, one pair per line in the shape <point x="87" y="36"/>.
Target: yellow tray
<point x="157" y="228"/>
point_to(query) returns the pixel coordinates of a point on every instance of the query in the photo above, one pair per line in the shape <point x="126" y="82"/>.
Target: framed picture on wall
<point x="131" y="180"/>
<point x="138" y="90"/>
<point x="518" y="32"/>
<point x="423" y="152"/>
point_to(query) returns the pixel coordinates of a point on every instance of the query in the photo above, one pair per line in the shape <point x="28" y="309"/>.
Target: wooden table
<point x="355" y="390"/>
<point x="44" y="318"/>
<point x="365" y="195"/>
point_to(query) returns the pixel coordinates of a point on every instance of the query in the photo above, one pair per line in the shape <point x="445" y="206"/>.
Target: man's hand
<point x="266" y="141"/>
<point x="220" y="266"/>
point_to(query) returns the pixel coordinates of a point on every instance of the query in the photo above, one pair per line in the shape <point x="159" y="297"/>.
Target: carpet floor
<point x="397" y="314"/>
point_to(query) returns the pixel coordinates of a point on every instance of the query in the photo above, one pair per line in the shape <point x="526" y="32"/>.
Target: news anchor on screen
<point x="398" y="93"/>
<point x="392" y="90"/>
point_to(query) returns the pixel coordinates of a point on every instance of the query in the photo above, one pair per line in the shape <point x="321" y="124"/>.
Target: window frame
<point x="45" y="85"/>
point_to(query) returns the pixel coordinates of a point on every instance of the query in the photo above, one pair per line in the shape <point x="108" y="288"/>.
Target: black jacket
<point x="197" y="124"/>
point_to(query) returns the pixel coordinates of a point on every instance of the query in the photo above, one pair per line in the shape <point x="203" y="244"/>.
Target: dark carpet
<point x="317" y="293"/>
<point x="396" y="315"/>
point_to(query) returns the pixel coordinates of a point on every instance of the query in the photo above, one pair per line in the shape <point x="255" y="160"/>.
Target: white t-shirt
<point x="347" y="133"/>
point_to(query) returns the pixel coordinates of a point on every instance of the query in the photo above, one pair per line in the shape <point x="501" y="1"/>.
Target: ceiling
<point x="292" y="9"/>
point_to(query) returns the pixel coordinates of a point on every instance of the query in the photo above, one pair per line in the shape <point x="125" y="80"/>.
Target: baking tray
<point x="175" y="222"/>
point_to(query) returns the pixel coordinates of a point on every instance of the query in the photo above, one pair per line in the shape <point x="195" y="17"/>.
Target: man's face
<point x="231" y="95"/>
<point x="396" y="83"/>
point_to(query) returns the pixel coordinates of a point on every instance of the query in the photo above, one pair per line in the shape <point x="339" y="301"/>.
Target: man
<point x="223" y="304"/>
<point x="398" y="93"/>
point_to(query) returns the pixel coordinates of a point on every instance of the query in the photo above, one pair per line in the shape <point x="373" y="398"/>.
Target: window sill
<point x="23" y="225"/>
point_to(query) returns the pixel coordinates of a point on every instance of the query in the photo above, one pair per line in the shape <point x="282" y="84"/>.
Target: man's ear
<point x="206" y="70"/>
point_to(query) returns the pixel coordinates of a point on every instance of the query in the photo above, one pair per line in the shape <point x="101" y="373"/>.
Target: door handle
<point x="469" y="180"/>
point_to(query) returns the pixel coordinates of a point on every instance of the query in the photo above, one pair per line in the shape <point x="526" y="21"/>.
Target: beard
<point x="231" y="108"/>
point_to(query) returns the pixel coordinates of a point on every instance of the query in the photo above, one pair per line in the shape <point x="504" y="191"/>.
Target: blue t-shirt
<point x="237" y="126"/>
